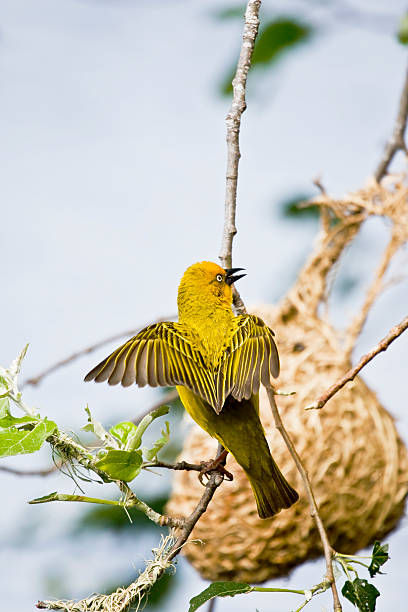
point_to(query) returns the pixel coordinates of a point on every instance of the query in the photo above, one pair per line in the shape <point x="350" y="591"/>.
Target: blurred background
<point x="113" y="170"/>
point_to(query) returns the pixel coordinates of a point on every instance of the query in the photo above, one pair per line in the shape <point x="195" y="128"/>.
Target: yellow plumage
<point x="217" y="361"/>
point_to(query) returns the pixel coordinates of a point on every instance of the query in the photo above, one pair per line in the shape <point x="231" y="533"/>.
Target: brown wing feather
<point x="160" y="355"/>
<point x="251" y="358"/>
<point x="164" y="354"/>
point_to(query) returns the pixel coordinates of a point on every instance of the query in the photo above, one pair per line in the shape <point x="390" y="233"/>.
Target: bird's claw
<point x="214" y="465"/>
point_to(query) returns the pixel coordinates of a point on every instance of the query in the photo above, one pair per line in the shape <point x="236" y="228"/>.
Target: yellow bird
<point x="217" y="362"/>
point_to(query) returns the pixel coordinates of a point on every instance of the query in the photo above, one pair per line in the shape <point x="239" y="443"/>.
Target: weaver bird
<point x="217" y="362"/>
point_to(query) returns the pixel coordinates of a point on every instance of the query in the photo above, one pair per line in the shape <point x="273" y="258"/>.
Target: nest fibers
<point x="355" y="459"/>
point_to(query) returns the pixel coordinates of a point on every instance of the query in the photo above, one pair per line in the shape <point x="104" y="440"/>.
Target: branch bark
<point x="314" y="513"/>
<point x="397" y="140"/>
<point x="233" y="120"/>
<point x="230" y="230"/>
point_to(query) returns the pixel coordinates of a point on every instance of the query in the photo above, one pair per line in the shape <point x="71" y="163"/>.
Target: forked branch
<point x="392" y="335"/>
<point x="397" y="141"/>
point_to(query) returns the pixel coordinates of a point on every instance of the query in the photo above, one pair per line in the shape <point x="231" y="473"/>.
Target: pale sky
<point x="113" y="162"/>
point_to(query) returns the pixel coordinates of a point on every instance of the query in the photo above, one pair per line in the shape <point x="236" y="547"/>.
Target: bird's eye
<point x="219" y="277"/>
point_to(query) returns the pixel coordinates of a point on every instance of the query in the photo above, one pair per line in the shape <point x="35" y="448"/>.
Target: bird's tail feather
<point x="274" y="494"/>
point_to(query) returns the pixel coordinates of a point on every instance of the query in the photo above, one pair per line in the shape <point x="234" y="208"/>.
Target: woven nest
<point x="356" y="461"/>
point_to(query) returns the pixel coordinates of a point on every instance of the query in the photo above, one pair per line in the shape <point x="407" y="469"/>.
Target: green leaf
<point x="219" y="589"/>
<point x="273" y="39"/>
<point x="45" y="498"/>
<point x="4" y="385"/>
<point x="292" y="207"/>
<point x="121" y="464"/>
<point x="361" y="593"/>
<point x="114" y="518"/>
<point x="9" y="421"/>
<point x="15" y="366"/>
<point x="135" y="439"/>
<point x="379" y="557"/>
<point x="17" y="442"/>
<point x="402" y="33"/>
<point x="122" y="431"/>
<point x="276" y="36"/>
<point x="4" y="407"/>
<point x="158" y="445"/>
<point x="98" y="429"/>
<point x="231" y="12"/>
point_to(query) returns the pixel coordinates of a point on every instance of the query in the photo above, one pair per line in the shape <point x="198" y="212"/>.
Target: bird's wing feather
<point x="160" y="355"/>
<point x="251" y="358"/>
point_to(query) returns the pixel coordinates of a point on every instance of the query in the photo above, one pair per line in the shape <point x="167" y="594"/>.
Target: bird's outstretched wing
<point x="164" y="355"/>
<point x="159" y="355"/>
<point x="250" y="358"/>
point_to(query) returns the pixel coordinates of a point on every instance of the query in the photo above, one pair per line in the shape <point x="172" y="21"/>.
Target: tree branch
<point x="233" y="155"/>
<point x="35" y="380"/>
<point x="122" y="599"/>
<point x="397" y="141"/>
<point x="44" y="472"/>
<point x="73" y="451"/>
<point x="375" y="288"/>
<point x="314" y="513"/>
<point x="392" y="335"/>
<point x="233" y="120"/>
<point x="180" y="465"/>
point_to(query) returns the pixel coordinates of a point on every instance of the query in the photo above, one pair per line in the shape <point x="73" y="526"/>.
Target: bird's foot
<point x="215" y="465"/>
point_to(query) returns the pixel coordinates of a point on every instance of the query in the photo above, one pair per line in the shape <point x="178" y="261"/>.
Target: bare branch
<point x="233" y="120"/>
<point x="211" y="486"/>
<point x="392" y="335"/>
<point x="35" y="380"/>
<point x="376" y="287"/>
<point x="397" y="140"/>
<point x="314" y="513"/>
<point x="44" y="472"/>
<point x="233" y="155"/>
<point x="71" y="451"/>
<point x="180" y="465"/>
<point x="122" y="599"/>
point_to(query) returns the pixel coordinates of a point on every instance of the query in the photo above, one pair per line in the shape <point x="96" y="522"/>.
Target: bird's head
<point x="207" y="286"/>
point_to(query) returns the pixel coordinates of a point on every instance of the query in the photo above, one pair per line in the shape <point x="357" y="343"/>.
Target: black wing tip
<point x="90" y="376"/>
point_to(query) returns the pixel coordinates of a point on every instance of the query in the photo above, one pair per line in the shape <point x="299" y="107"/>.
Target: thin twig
<point x="73" y="451"/>
<point x="397" y="140"/>
<point x="35" y="380"/>
<point x="392" y="335"/>
<point x="375" y="288"/>
<point x="328" y="550"/>
<point x="212" y="604"/>
<point x="211" y="486"/>
<point x="233" y="128"/>
<point x="180" y="465"/>
<point x="135" y="592"/>
<point x="44" y="472"/>
<point x="233" y="120"/>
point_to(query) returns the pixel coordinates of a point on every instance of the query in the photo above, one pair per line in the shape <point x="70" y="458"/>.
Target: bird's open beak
<point x="230" y="278"/>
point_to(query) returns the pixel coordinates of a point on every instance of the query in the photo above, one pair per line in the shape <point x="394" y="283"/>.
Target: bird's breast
<point x="213" y="335"/>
